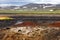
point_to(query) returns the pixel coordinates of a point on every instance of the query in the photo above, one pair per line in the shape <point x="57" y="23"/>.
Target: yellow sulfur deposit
<point x="5" y="18"/>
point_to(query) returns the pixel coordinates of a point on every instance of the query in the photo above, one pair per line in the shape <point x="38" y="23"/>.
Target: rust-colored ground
<point x="55" y="24"/>
<point x="27" y="23"/>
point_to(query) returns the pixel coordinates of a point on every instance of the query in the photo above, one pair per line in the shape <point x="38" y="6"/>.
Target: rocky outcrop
<point x="30" y="33"/>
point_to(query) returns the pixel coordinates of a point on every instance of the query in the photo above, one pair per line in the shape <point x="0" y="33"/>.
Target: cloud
<point x="55" y="1"/>
<point x="11" y="4"/>
<point x="17" y="0"/>
<point x="22" y="2"/>
<point x="34" y="1"/>
<point x="37" y="1"/>
<point x="47" y="1"/>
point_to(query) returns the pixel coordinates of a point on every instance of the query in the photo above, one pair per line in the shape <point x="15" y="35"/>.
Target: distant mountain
<point x="40" y="6"/>
<point x="8" y="7"/>
<point x="57" y="6"/>
<point x="33" y="6"/>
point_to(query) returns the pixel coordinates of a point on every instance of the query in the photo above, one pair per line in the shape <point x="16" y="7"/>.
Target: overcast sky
<point x="22" y="2"/>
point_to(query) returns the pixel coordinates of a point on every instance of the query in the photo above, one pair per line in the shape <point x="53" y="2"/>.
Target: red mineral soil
<point x="27" y="23"/>
<point x="33" y="24"/>
<point x="55" y="24"/>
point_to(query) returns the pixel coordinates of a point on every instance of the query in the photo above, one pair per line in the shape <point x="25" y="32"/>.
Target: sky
<point x="23" y="2"/>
